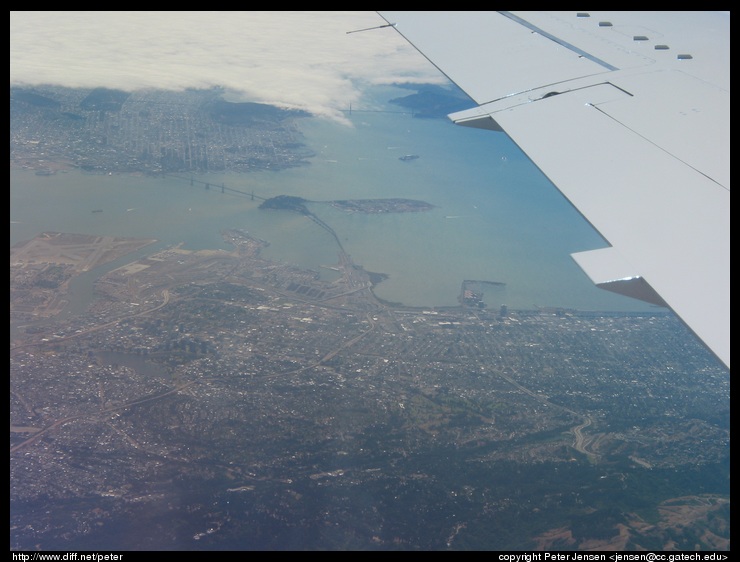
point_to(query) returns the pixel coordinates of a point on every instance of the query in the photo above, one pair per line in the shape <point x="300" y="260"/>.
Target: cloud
<point x="293" y="59"/>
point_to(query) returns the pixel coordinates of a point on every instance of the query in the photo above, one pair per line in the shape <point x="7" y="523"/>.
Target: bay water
<point x="496" y="217"/>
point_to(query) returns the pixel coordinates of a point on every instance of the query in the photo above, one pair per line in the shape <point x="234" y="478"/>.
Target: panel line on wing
<point x="683" y="161"/>
<point x="559" y="41"/>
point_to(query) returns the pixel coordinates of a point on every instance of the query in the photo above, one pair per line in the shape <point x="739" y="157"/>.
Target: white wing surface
<point x="628" y="114"/>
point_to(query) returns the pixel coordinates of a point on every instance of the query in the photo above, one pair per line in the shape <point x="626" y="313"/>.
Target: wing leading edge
<point x="627" y="114"/>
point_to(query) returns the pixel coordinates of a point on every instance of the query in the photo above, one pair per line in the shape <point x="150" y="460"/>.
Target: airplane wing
<point x="628" y="114"/>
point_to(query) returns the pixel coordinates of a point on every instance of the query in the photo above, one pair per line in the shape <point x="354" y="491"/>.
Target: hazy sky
<point x="298" y="59"/>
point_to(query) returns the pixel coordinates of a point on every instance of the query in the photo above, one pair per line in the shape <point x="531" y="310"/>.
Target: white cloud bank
<point x="293" y="59"/>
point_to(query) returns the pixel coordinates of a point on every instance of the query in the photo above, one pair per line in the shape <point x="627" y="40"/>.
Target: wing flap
<point x="608" y="269"/>
<point x="669" y="220"/>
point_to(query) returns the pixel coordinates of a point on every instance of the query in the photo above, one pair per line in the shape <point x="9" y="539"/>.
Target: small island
<point x="287" y="203"/>
<point x="374" y="206"/>
<point x="392" y="205"/>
